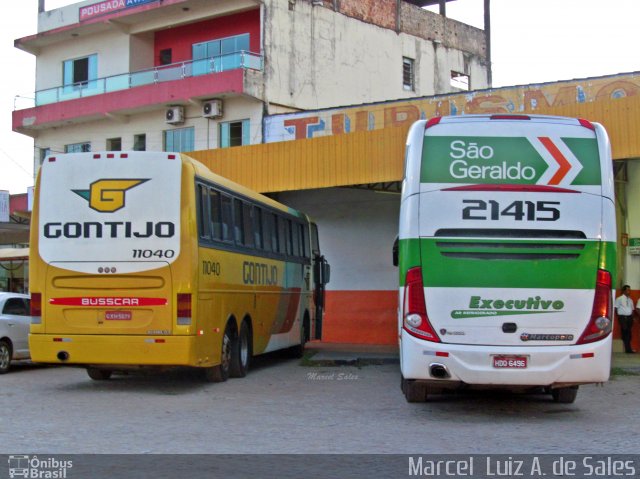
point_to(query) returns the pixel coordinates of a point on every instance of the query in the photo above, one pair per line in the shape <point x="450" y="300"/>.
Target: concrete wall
<point x="141" y="52"/>
<point x="357" y="229"/>
<point x="316" y="57"/>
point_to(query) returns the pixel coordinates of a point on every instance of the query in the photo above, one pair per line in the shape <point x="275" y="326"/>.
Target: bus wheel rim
<point x="244" y="349"/>
<point x="226" y="352"/>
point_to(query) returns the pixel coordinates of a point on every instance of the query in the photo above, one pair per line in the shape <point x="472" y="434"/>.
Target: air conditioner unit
<point x="212" y="109"/>
<point x="174" y="115"/>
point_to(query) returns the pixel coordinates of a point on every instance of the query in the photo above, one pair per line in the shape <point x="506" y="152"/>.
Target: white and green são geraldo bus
<point x="506" y="254"/>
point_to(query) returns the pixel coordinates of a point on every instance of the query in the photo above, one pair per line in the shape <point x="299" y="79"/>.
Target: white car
<point x="15" y="321"/>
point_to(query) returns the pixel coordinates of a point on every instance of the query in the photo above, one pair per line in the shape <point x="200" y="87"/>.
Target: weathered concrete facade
<point x="349" y="52"/>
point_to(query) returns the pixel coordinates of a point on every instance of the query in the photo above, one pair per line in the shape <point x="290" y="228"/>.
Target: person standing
<point x="624" y="308"/>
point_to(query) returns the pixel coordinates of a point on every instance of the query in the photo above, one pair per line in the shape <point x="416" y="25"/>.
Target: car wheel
<point x="5" y="356"/>
<point x="99" y="374"/>
<point x="241" y="350"/>
<point x="565" y="395"/>
<point x="220" y="373"/>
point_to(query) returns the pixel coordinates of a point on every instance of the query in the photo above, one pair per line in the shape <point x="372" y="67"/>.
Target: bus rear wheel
<point x="241" y="352"/>
<point x="99" y="374"/>
<point x="565" y="395"/>
<point x="220" y="373"/>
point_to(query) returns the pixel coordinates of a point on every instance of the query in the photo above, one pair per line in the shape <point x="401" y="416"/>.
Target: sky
<point x="533" y="41"/>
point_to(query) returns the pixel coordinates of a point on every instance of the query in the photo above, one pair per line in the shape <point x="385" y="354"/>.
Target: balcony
<point x="131" y="92"/>
<point x="172" y="72"/>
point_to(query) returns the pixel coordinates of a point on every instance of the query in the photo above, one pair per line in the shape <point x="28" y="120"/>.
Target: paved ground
<point x="283" y="407"/>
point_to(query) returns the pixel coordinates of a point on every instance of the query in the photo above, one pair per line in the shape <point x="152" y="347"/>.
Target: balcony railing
<point x="172" y="72"/>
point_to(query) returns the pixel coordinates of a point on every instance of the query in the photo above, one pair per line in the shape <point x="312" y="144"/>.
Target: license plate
<point x="509" y="362"/>
<point x="118" y="315"/>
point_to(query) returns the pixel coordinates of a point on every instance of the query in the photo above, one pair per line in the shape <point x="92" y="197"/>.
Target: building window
<point x="460" y="81"/>
<point x="234" y="133"/>
<point x="44" y="152"/>
<point x="80" y="72"/>
<point x="140" y="142"/>
<point x="166" y="56"/>
<point x="114" y="144"/>
<point x="77" y="147"/>
<point x="408" y="74"/>
<point x="181" y="139"/>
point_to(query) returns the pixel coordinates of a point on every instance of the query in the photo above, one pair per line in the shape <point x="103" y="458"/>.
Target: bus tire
<point x="6" y="353"/>
<point x="99" y="374"/>
<point x="565" y="395"/>
<point x="414" y="391"/>
<point x="241" y="352"/>
<point x="220" y="373"/>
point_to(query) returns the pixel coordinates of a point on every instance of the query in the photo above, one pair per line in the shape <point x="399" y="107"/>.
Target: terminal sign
<point x="634" y="246"/>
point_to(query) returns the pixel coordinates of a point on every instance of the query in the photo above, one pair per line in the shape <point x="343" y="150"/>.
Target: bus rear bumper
<point x="112" y="350"/>
<point x="475" y="365"/>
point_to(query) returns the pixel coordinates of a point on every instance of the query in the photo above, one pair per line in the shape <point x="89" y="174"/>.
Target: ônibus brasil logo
<point x="108" y="195"/>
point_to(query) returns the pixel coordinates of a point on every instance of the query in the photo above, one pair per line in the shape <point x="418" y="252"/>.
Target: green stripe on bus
<point x="586" y="150"/>
<point x="572" y="267"/>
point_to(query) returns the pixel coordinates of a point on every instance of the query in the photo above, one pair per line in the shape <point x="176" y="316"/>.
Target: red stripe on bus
<point x="99" y="301"/>
<point x="514" y="188"/>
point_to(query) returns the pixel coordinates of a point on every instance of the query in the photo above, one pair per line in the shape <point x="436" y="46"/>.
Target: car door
<point x="16" y="315"/>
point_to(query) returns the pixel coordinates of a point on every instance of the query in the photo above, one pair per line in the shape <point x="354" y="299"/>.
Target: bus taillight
<point x="184" y="309"/>
<point x="586" y="124"/>
<point x="415" y="319"/>
<point x="601" y="322"/>
<point x="36" y="307"/>
<point x="432" y="122"/>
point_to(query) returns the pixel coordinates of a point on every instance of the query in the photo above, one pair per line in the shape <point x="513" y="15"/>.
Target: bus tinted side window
<point x="238" y="231"/>
<point x="304" y="239"/>
<point x="247" y="225"/>
<point x="216" y="215"/>
<point x="203" y="211"/>
<point x="315" y="243"/>
<point x="282" y="235"/>
<point x="227" y="223"/>
<point x="287" y="236"/>
<point x="272" y="220"/>
<point x="257" y="227"/>
<point x="295" y="238"/>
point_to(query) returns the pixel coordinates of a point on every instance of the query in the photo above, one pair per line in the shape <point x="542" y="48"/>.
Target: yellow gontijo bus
<point x="150" y="259"/>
